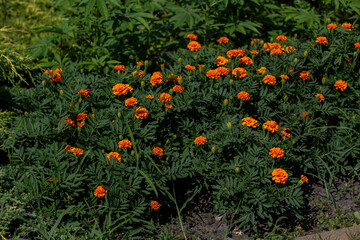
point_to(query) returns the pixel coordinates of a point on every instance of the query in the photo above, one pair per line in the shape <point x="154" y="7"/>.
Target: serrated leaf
<point x="103" y="9"/>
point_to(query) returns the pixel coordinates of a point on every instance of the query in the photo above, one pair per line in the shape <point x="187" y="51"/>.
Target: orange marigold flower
<point x="243" y="95"/>
<point x="150" y="97"/>
<point x="69" y="122"/>
<point x="305" y="115"/>
<point x="284" y="77"/>
<point x="190" y="68"/>
<point x="177" y="88"/>
<point x="155" y="205"/>
<point x="290" y="49"/>
<point x="254" y="52"/>
<point x="100" y="191"/>
<point x="261" y="70"/>
<point x="284" y="133"/>
<point x="200" y="140"/>
<point x="321" y="40"/>
<point x="125" y="143"/>
<point x="342" y="85"/>
<point x="81" y="124"/>
<point x="140" y="73"/>
<point x="279" y="175"/>
<point x="139" y="64"/>
<point x="321" y="97"/>
<point x="81" y="116"/>
<point x="269" y="79"/>
<point x="122" y="89"/>
<point x="114" y="155"/>
<point x="250" y="122"/>
<point x="304" y="75"/>
<point x="357" y="45"/>
<point x="272" y="126"/>
<point x="269" y="46"/>
<point x="246" y="61"/>
<point x="276" y="152"/>
<point x="223" y="70"/>
<point x="277" y="51"/>
<point x="158" y="151"/>
<point x="235" y="53"/>
<point x="156" y="78"/>
<point x="131" y="101"/>
<point x="214" y="74"/>
<point x="141" y="113"/>
<point x="84" y="92"/>
<point x="74" y="150"/>
<point x="54" y="75"/>
<point x="192" y="37"/>
<point x="168" y="106"/>
<point x="332" y="26"/>
<point x="201" y="66"/>
<point x="194" y="46"/>
<point x="119" y="68"/>
<point x="303" y="178"/>
<point x="347" y="25"/>
<point x="223" y="40"/>
<point x="164" y="97"/>
<point x="281" y="38"/>
<point x="241" y="72"/>
<point x="255" y="41"/>
<point x="220" y="60"/>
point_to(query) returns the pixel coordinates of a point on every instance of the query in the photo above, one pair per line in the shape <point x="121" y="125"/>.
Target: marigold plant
<point x="279" y="175"/>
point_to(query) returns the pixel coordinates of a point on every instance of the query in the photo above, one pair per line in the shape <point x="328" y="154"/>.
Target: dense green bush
<point x="60" y="145"/>
<point x="97" y="33"/>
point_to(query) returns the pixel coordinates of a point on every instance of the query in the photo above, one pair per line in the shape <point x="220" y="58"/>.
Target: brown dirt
<point x="200" y="223"/>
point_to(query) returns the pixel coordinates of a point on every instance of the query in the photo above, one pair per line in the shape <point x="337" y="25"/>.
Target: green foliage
<point x="234" y="165"/>
<point x="100" y="34"/>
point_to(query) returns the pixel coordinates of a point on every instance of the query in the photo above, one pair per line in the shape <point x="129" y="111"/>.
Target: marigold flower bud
<point x="80" y="100"/>
<point x="305" y="53"/>
<point x="171" y="91"/>
<point x="26" y="113"/>
<point x="237" y="169"/>
<point x="142" y="84"/>
<point x="213" y="148"/>
<point x="229" y="125"/>
<point x="295" y="59"/>
<point x="61" y="92"/>
<point x="323" y="80"/>
<point x="146" y="63"/>
<point x="226" y="102"/>
<point x="121" y="137"/>
<point x="180" y="81"/>
<point x="119" y="114"/>
<point x="286" y="98"/>
<point x="231" y="81"/>
<point x="43" y="82"/>
<point x="180" y="60"/>
<point x="195" y="57"/>
<point x="174" y="136"/>
<point x="132" y="152"/>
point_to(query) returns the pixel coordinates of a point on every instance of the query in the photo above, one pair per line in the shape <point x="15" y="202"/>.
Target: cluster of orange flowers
<point x="190" y="68"/>
<point x="131" y="101"/>
<point x="344" y="25"/>
<point x="220" y="60"/>
<point x="74" y="150"/>
<point x="236" y="53"/>
<point x="276" y="152"/>
<point x="114" y="155"/>
<point x="80" y="118"/>
<point x="246" y="61"/>
<point x="243" y="95"/>
<point x="125" y="143"/>
<point x="321" y="40"/>
<point x="223" y="40"/>
<point x="158" y="151"/>
<point x="192" y="37"/>
<point x="340" y="84"/>
<point x="156" y="78"/>
<point x="100" y="191"/>
<point x="84" y="92"/>
<point x="155" y="205"/>
<point x="271" y="126"/>
<point x="200" y="140"/>
<point x="239" y="72"/>
<point x="269" y="79"/>
<point x="250" y="122"/>
<point x="119" y="68"/>
<point x="194" y="46"/>
<point x="122" y="89"/>
<point x="279" y="175"/>
<point x="165" y="98"/>
<point x="320" y="96"/>
<point x="55" y="75"/>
